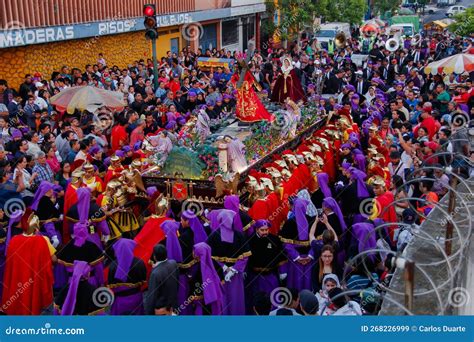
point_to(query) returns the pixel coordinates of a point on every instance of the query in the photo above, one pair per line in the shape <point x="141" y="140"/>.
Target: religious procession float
<point x="209" y="158"/>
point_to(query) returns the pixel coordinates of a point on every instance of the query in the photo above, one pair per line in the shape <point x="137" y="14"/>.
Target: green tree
<point x="382" y="6"/>
<point x="294" y="15"/>
<point x="352" y="11"/>
<point x="464" y="25"/>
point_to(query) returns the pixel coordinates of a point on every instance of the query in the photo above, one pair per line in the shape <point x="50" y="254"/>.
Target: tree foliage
<point x="382" y="6"/>
<point x="295" y="14"/>
<point x="464" y="25"/>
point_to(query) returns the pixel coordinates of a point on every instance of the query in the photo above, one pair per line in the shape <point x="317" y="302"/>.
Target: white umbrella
<point x="87" y="98"/>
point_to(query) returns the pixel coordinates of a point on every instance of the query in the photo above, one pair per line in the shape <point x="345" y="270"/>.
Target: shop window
<point x="230" y="32"/>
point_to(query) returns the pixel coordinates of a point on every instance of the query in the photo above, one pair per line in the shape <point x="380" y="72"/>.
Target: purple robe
<point x="365" y="235"/>
<point x="173" y="247"/>
<point x="196" y="226"/>
<point x="213" y="294"/>
<point x="125" y="304"/>
<point x="234" y="293"/>
<point x="299" y="276"/>
<point x="81" y="269"/>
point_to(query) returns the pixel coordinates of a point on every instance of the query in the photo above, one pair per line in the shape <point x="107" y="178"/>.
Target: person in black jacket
<point x="162" y="295"/>
<point x="334" y="83"/>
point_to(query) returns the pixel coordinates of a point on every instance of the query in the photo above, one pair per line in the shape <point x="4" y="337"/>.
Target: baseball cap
<point x="309" y="302"/>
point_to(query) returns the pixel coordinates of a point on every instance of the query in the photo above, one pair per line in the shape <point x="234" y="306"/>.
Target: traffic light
<point x="149" y="11"/>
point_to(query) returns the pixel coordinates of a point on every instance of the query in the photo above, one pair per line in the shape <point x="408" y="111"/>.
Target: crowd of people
<point x="85" y="224"/>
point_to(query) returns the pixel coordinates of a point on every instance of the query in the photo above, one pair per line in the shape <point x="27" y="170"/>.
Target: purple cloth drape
<point x="43" y="188"/>
<point x="360" y="177"/>
<point x="123" y="249"/>
<point x="15" y="217"/>
<point x="195" y="225"/>
<point x="226" y="225"/>
<point x="81" y="269"/>
<point x="81" y="233"/>
<point x="212" y="288"/>
<point x="299" y="209"/>
<point x="172" y="243"/>
<point x="232" y="202"/>
<point x="365" y="234"/>
<point x="323" y="181"/>
<point x="83" y="203"/>
<point x="331" y="203"/>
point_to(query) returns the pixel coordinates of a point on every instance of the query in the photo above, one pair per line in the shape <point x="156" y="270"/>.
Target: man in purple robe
<point x="295" y="236"/>
<point x="77" y="298"/>
<point x="44" y="206"/>
<point x="89" y="213"/>
<point x="126" y="276"/>
<point x="230" y="250"/>
<point x="243" y="221"/>
<point x="80" y="249"/>
<point x="207" y="294"/>
<point x="179" y="242"/>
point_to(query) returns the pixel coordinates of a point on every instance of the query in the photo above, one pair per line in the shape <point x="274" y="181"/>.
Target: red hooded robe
<point x="28" y="267"/>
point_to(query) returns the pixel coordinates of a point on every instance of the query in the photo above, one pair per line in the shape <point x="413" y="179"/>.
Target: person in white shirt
<point x="82" y="154"/>
<point x="126" y="79"/>
<point x="33" y="146"/>
<point x="131" y="95"/>
<point x="396" y="165"/>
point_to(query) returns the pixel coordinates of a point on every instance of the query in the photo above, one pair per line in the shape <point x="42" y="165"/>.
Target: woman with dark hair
<point x="200" y="99"/>
<point x="326" y="264"/>
<point x="45" y="95"/>
<point x="51" y="159"/>
<point x="64" y="175"/>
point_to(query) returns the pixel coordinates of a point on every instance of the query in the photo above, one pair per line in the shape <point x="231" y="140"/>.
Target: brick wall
<point x="118" y="50"/>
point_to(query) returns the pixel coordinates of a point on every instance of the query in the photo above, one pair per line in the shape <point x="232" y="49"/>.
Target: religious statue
<point x="287" y="84"/>
<point x="203" y="125"/>
<point x="236" y="155"/>
<point x="249" y="108"/>
<point x="161" y="145"/>
<point x="292" y="116"/>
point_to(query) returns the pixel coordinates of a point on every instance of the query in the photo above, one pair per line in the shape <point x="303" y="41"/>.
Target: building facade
<point x="44" y="35"/>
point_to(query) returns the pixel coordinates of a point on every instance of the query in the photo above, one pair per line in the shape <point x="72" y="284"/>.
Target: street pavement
<point x="441" y="13"/>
